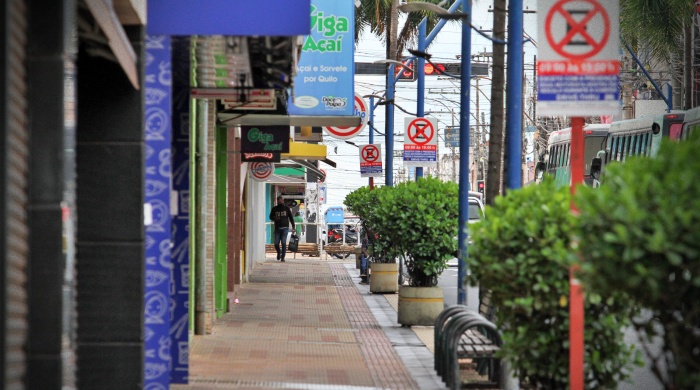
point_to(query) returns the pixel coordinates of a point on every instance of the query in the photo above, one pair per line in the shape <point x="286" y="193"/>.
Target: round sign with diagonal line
<point x="421" y="131"/>
<point x="577" y="29"/>
<point x="370" y="153"/>
<point x="347" y="132"/>
<point x="261" y="171"/>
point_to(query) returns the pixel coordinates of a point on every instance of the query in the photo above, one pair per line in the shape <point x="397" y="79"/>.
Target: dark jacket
<point x="282" y="215"/>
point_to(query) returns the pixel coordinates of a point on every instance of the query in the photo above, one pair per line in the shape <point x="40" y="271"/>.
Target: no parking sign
<point x="344" y="132"/>
<point x="420" y="142"/>
<point x="578" y="61"/>
<point x="370" y="160"/>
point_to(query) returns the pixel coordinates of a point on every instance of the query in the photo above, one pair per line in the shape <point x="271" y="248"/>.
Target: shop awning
<point x="121" y="47"/>
<point x="304" y="151"/>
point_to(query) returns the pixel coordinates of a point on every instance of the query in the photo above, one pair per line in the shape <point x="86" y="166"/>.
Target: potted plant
<point x="522" y="254"/>
<point x="363" y="202"/>
<point x="419" y="220"/>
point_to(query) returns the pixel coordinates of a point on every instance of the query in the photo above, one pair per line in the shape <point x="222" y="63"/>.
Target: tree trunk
<point x="495" y="165"/>
<point x="688" y="67"/>
<point x="392" y="30"/>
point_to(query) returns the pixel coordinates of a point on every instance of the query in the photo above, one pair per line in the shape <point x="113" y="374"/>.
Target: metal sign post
<point x="578" y="75"/>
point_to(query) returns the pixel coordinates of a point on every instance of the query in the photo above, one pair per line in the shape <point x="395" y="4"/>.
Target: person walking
<point x="282" y="216"/>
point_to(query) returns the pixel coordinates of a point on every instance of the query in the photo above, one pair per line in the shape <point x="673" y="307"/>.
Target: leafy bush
<point x="642" y="235"/>
<point x="363" y="203"/>
<point x="522" y="254"/>
<point x="420" y="220"/>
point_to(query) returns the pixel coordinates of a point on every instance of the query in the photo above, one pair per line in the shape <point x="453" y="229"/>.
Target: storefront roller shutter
<point x="13" y="194"/>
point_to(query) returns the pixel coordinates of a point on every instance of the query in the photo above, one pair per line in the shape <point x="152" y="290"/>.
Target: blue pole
<point x="514" y="94"/>
<point x="389" y="175"/>
<point x="669" y="103"/>
<point x="420" y="72"/>
<point x="465" y="91"/>
<point x="441" y="23"/>
<point x="371" y="130"/>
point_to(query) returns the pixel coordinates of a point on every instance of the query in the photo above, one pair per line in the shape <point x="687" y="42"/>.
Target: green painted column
<point x="220" y="221"/>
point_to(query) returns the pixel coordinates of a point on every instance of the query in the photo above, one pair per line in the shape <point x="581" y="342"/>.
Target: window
<point x="675" y="131"/>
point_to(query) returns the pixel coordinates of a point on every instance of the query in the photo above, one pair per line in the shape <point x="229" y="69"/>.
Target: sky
<point x="441" y="97"/>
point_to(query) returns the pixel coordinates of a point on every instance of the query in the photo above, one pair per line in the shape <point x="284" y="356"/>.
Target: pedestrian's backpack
<point x="294" y="243"/>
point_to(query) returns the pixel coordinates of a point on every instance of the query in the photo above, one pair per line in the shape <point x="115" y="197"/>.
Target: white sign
<point x="370" y="160"/>
<point x="578" y="63"/>
<point x="261" y="171"/>
<point x="420" y="142"/>
<point x="344" y="132"/>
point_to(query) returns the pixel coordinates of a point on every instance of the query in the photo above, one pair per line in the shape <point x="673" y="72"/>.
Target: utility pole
<point x="478" y="126"/>
<point x="493" y="178"/>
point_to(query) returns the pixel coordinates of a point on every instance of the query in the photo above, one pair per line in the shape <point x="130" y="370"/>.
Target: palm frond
<point x="658" y="24"/>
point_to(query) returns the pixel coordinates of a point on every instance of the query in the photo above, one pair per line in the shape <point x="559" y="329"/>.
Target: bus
<point x="690" y="122"/>
<point x="558" y="159"/>
<point x="635" y="137"/>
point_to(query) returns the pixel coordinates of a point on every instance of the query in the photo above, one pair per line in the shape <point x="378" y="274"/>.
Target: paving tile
<point x="299" y="324"/>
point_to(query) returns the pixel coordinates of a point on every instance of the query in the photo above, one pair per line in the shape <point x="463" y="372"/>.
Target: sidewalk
<point x="307" y="323"/>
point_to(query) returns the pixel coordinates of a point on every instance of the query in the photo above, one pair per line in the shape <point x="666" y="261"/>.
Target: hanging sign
<point x="335" y="215"/>
<point x="265" y="139"/>
<point x="420" y="142"/>
<point x="216" y="17"/>
<point x="324" y="81"/>
<point x="578" y="63"/>
<point x="370" y="160"/>
<point x="260" y="157"/>
<point x="261" y="171"/>
<point x="343" y="132"/>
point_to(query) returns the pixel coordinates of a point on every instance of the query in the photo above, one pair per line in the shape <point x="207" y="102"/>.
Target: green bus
<point x="635" y="137"/>
<point x="558" y="158"/>
<point x="691" y="122"/>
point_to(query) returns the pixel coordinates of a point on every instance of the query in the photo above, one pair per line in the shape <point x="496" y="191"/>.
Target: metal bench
<point x="461" y="334"/>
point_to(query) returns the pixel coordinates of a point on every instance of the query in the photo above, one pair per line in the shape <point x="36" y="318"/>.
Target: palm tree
<point x="663" y="29"/>
<point x="494" y="178"/>
<point x="381" y="17"/>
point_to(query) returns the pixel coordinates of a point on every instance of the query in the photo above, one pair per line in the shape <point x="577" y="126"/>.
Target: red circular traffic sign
<point x="346" y="132"/>
<point x="418" y="128"/>
<point x="261" y="171"/>
<point x="576" y="28"/>
<point x="370" y="153"/>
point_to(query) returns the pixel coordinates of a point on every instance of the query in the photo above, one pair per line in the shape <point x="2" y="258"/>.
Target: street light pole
<point x="389" y="152"/>
<point x="420" y="72"/>
<point x="514" y="95"/>
<point x="371" y="133"/>
<point x="465" y="89"/>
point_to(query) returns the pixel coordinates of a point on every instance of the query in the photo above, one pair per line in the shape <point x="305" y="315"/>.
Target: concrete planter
<point x="384" y="277"/>
<point x="420" y="305"/>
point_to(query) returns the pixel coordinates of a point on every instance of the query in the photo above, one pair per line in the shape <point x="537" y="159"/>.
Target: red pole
<point x="576" y="312"/>
<point x="371" y="183"/>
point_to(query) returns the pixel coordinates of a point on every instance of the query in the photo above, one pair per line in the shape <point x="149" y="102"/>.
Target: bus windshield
<point x="592" y="146"/>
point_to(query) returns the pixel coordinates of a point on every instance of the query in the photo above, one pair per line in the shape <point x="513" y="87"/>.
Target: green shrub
<point x="363" y="202"/>
<point x="642" y="235"/>
<point x="420" y="220"/>
<point x="521" y="253"/>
